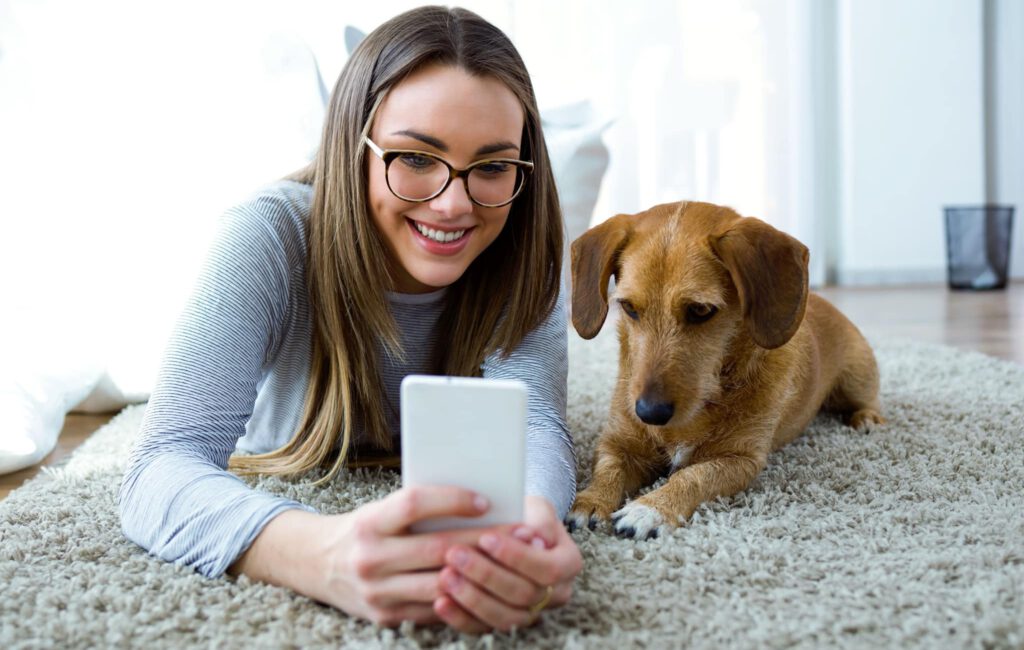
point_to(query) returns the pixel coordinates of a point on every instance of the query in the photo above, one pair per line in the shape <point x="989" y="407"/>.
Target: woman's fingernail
<point x="489" y="543"/>
<point x="481" y="503"/>
<point x="460" y="557"/>
<point x="522" y="534"/>
<point x="538" y="543"/>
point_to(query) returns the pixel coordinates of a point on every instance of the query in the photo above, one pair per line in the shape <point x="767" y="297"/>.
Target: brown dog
<point x="724" y="357"/>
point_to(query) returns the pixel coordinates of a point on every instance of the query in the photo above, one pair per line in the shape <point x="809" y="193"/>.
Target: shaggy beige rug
<point x="911" y="536"/>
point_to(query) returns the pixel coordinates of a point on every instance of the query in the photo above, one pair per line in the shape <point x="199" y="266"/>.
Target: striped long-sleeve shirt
<point x="235" y="373"/>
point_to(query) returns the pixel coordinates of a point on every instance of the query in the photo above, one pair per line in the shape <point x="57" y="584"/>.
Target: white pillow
<point x="39" y="382"/>
<point x="579" y="160"/>
<point x="281" y="112"/>
<point x="91" y="313"/>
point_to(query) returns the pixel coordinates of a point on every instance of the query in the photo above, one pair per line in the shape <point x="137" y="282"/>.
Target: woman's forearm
<point x="287" y="553"/>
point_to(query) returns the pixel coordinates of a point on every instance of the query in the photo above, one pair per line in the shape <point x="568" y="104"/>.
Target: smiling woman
<point x="424" y="238"/>
<point x="448" y="224"/>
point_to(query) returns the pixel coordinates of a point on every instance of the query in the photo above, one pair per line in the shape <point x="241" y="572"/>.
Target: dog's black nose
<point x="657" y="413"/>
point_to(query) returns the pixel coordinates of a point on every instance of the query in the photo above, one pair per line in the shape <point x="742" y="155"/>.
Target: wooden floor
<point x="77" y="428"/>
<point x="985" y="321"/>
<point x="989" y="321"/>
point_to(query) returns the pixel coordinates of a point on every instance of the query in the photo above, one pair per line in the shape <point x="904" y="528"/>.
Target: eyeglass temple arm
<point x="373" y="147"/>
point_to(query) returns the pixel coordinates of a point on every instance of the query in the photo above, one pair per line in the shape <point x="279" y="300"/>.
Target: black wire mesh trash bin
<point x="978" y="246"/>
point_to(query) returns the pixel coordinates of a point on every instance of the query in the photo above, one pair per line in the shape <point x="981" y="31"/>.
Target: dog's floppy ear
<point x="769" y="269"/>
<point x="594" y="258"/>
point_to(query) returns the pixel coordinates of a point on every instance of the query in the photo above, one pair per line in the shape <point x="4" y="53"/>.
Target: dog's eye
<point x="627" y="307"/>
<point x="698" y="313"/>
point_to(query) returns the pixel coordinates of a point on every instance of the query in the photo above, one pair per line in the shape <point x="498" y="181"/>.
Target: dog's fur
<point x="718" y="395"/>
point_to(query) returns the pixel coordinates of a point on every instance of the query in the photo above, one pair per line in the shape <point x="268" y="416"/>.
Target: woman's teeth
<point x="438" y="235"/>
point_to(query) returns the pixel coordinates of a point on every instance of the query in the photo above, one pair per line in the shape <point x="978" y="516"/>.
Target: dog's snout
<point x="653" y="412"/>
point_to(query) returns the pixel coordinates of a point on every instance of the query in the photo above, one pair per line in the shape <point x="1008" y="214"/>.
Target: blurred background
<point x="127" y="128"/>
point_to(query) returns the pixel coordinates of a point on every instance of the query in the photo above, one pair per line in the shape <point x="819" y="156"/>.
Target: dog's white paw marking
<point x="640" y="519"/>
<point x="681" y="457"/>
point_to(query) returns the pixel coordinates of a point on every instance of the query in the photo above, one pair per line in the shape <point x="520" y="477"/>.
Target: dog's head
<point x="693" y="280"/>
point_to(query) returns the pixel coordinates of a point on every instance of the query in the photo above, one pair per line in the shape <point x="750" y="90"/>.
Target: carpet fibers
<point x="911" y="536"/>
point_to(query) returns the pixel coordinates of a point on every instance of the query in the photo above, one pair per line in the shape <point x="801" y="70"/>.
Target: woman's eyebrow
<point x="441" y="146"/>
<point x="495" y="147"/>
<point x="424" y="138"/>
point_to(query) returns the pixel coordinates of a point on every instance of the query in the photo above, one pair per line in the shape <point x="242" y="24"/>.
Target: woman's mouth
<point x="441" y="242"/>
<point x="441" y="236"/>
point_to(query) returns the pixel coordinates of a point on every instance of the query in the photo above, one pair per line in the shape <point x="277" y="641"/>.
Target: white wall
<point x="911" y="132"/>
<point x="1005" y="133"/>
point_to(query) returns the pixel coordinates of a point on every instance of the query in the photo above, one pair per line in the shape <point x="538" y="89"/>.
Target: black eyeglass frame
<point x="389" y="155"/>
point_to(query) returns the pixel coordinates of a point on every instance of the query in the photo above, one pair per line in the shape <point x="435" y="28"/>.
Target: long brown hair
<point x="507" y="291"/>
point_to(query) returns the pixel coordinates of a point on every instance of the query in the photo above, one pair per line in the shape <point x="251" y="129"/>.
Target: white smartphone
<point x="468" y="432"/>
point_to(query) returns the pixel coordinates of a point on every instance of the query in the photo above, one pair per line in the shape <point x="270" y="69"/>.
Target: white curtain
<point x="711" y="101"/>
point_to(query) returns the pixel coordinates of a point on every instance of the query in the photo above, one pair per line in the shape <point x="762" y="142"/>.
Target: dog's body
<point x="724" y="357"/>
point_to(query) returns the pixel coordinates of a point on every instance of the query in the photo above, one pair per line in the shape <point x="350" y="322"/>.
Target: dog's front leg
<point x="674" y="502"/>
<point x="626" y="460"/>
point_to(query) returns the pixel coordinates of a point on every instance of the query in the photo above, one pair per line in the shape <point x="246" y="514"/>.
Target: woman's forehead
<point x="451" y="105"/>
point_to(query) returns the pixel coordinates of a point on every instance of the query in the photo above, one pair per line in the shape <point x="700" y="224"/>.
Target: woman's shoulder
<point x="283" y="205"/>
<point x="282" y="195"/>
<point x="275" y="216"/>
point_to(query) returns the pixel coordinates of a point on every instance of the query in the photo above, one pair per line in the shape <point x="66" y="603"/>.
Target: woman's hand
<point x="365" y="562"/>
<point x="379" y="571"/>
<point x="498" y="584"/>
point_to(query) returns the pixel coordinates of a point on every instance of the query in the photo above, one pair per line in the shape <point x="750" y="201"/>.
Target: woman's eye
<point x="493" y="168"/>
<point x="416" y="161"/>
<point x="629" y="309"/>
<point x="698" y="313"/>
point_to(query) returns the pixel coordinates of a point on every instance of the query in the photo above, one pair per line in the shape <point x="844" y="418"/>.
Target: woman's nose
<point x="453" y="201"/>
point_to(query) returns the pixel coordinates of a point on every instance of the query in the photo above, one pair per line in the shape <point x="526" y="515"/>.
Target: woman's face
<point x="443" y="110"/>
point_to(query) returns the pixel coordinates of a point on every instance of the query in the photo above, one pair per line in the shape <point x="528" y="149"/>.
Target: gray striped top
<point x="235" y="372"/>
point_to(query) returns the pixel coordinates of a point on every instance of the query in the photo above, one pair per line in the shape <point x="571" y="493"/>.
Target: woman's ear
<point x="595" y="256"/>
<point x="769" y="269"/>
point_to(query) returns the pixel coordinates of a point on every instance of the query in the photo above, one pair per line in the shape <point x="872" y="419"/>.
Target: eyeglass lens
<point x="416" y="177"/>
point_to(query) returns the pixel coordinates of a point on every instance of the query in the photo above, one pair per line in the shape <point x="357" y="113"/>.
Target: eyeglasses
<point x="418" y="176"/>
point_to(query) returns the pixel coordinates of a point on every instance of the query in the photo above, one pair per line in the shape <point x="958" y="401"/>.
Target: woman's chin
<point x="428" y="280"/>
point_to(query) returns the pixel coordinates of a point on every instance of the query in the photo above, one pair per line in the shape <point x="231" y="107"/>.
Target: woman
<point x="424" y="237"/>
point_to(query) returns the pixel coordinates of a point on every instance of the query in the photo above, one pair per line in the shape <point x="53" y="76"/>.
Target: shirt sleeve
<point x="177" y="500"/>
<point x="542" y="362"/>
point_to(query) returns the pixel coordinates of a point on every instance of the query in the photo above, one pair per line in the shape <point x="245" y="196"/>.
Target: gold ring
<point x="536" y="609"/>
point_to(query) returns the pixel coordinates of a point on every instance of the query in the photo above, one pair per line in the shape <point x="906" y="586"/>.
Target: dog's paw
<point x="865" y="420"/>
<point x="588" y="510"/>
<point x="578" y="519"/>
<point x="637" y="521"/>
